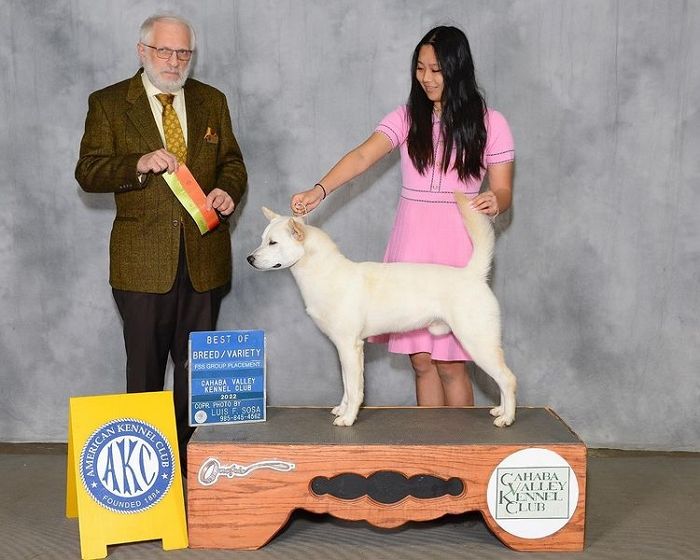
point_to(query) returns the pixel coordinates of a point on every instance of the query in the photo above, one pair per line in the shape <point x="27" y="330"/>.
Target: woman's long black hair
<point x="463" y="107"/>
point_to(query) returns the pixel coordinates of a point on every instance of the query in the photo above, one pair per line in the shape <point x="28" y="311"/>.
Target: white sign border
<point x="533" y="457"/>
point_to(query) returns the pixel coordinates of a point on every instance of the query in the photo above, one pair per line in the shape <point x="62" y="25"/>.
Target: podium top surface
<point x="393" y="426"/>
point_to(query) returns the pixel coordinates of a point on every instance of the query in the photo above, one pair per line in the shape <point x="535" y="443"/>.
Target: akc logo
<point x="127" y="466"/>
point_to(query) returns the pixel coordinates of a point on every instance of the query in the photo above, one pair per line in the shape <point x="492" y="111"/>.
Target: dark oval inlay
<point x="386" y="487"/>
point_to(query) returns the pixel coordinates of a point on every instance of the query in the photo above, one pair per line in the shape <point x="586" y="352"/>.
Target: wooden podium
<point x="393" y="466"/>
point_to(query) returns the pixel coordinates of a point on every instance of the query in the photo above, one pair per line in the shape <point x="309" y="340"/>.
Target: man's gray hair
<point x="147" y="27"/>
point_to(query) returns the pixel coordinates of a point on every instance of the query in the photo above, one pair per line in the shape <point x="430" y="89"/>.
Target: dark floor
<point x="639" y="506"/>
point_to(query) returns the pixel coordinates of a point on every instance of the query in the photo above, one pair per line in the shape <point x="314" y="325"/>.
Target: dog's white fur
<point x="350" y="301"/>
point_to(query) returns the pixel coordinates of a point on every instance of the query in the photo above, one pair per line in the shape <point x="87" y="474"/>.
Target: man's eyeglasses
<point x="165" y="53"/>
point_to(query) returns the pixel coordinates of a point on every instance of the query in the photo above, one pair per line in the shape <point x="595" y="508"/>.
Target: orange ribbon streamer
<point x="192" y="197"/>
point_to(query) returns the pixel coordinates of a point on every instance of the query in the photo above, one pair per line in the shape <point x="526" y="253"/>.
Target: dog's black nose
<point x="251" y="259"/>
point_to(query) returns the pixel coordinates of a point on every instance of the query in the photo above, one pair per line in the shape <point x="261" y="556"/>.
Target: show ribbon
<point x="192" y="197"/>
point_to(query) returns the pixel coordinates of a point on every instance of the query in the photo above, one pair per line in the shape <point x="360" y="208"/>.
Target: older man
<point x="167" y="278"/>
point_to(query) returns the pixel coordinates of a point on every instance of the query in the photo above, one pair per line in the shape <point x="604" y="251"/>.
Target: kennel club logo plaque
<point x="227" y="377"/>
<point x="532" y="493"/>
<point x="127" y="466"/>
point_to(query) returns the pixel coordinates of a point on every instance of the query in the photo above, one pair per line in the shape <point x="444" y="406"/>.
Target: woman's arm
<point x="352" y="164"/>
<point x="500" y="194"/>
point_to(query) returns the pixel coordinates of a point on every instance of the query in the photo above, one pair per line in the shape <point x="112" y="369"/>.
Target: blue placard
<point x="227" y="377"/>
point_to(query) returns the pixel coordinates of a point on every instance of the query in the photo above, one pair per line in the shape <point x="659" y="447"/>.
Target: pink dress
<point x="428" y="227"/>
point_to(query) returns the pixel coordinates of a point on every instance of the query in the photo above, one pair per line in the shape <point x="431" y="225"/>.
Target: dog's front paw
<point x="496" y="411"/>
<point x="503" y="421"/>
<point x="345" y="420"/>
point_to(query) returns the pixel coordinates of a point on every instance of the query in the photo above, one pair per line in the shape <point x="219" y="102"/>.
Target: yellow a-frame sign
<point x="123" y="477"/>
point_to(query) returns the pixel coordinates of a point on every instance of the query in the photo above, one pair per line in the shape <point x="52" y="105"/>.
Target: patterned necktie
<point x="174" y="139"/>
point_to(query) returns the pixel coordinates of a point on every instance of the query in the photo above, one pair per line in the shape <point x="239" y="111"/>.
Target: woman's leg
<point x="429" y="387"/>
<point x="456" y="383"/>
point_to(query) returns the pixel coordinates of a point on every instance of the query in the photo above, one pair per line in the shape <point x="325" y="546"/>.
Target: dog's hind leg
<point x="493" y="363"/>
<point x="352" y="363"/>
<point x="342" y="407"/>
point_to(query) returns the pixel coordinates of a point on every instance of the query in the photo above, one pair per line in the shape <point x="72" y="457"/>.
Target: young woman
<point x="448" y="140"/>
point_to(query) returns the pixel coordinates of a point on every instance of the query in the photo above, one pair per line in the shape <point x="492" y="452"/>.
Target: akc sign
<point x="123" y="475"/>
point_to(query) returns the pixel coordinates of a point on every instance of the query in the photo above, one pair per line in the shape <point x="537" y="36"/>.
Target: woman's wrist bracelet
<point x="323" y="189"/>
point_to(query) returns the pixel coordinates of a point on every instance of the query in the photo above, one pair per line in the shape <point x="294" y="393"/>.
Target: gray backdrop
<point x="596" y="266"/>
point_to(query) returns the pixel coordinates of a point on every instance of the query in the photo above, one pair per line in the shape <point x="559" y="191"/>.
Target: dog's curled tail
<point x="481" y="233"/>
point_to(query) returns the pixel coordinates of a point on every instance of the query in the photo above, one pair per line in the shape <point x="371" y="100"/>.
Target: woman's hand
<point x="305" y="201"/>
<point x="486" y="203"/>
<point x="500" y="194"/>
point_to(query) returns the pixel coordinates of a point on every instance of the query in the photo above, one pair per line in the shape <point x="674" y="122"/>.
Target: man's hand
<point x="157" y="162"/>
<point x="220" y="201"/>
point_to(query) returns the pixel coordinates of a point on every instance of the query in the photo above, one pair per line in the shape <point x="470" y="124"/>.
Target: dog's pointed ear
<point x="297" y="229"/>
<point x="269" y="214"/>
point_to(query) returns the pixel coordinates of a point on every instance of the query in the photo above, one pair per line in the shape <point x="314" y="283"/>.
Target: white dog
<point x="350" y="301"/>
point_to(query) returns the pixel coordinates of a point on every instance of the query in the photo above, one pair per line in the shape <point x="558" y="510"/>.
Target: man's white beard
<point x="162" y="85"/>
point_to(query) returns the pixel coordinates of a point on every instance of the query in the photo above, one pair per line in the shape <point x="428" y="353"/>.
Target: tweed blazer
<point x="145" y="239"/>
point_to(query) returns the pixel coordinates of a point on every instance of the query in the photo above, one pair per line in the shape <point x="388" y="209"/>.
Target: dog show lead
<point x="449" y="141"/>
